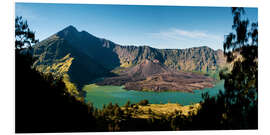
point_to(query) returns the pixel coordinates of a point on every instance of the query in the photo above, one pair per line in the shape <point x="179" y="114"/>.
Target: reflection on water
<point x="100" y="95"/>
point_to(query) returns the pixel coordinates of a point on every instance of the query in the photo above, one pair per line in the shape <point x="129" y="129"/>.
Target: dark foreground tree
<point x="24" y="37"/>
<point x="237" y="107"/>
<point x="241" y="84"/>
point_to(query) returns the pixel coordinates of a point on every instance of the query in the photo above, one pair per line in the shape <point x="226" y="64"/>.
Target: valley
<point x="82" y="59"/>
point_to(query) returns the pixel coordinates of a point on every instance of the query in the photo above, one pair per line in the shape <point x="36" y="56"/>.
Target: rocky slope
<point x="155" y="76"/>
<point x="83" y="58"/>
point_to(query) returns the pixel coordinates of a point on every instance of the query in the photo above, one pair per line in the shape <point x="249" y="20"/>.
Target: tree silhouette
<point x="237" y="107"/>
<point x="24" y="37"/>
<point x="241" y="83"/>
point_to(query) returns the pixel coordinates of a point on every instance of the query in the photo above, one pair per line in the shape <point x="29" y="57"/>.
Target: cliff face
<point x="83" y="57"/>
<point x="202" y="59"/>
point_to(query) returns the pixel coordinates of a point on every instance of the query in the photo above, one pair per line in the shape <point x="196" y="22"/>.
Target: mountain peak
<point x="70" y="27"/>
<point x="68" y="31"/>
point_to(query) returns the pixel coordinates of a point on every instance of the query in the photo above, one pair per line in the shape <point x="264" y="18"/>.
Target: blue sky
<point x="155" y="26"/>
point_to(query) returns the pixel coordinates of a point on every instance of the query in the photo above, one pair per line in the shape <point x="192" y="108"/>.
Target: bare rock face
<point x="154" y="76"/>
<point x="202" y="59"/>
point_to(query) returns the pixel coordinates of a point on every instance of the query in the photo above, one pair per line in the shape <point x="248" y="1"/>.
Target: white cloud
<point x="180" y="34"/>
<point x="181" y="38"/>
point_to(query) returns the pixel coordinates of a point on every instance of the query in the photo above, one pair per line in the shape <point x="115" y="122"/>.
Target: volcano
<point x="155" y="76"/>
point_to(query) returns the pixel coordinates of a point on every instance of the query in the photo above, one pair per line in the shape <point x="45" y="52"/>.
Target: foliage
<point x="241" y="95"/>
<point x="143" y="102"/>
<point x="244" y="38"/>
<point x="237" y="107"/>
<point x="24" y="37"/>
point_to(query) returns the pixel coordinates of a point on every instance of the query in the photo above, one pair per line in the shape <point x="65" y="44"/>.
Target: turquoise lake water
<point x="100" y="95"/>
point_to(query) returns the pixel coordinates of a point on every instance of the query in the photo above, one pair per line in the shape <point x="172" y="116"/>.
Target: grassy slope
<point x="59" y="69"/>
<point x="159" y="110"/>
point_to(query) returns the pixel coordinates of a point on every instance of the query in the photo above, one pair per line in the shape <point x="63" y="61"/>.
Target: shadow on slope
<point x="43" y="105"/>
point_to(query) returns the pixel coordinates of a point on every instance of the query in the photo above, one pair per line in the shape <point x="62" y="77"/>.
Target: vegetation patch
<point x="158" y="110"/>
